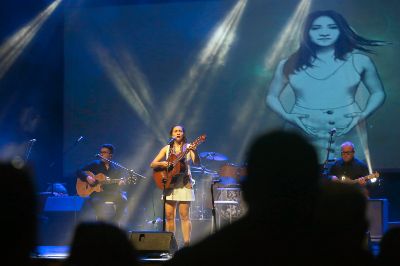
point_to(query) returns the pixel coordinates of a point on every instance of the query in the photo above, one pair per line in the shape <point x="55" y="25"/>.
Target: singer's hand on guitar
<point x="164" y="164"/>
<point x="192" y="147"/>
<point x="90" y="180"/>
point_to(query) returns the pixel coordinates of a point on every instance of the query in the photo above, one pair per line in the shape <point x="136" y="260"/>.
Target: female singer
<point x="182" y="193"/>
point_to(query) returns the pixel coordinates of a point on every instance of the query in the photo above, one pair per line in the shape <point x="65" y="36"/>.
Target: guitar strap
<point x="169" y="152"/>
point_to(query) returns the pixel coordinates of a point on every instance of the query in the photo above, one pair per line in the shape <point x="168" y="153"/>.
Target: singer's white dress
<point x="182" y="193"/>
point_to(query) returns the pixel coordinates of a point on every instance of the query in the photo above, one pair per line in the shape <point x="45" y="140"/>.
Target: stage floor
<point x="55" y="255"/>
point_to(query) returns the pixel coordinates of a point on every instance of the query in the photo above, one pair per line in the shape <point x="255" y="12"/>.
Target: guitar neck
<point x="367" y="177"/>
<point x="111" y="181"/>
<point x="180" y="157"/>
<point x="193" y="144"/>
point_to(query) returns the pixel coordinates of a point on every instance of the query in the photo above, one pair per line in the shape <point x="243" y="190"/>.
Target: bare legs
<point x="170" y="209"/>
<point x="184" y="214"/>
<point x="186" y="224"/>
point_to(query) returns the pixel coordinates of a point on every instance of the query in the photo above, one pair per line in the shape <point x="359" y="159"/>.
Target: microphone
<point x="32" y="140"/>
<point x="170" y="141"/>
<point x="332" y="131"/>
<point x="79" y="139"/>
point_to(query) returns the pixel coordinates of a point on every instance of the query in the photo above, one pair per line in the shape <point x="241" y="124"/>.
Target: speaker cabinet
<point x="153" y="242"/>
<point x="377" y="214"/>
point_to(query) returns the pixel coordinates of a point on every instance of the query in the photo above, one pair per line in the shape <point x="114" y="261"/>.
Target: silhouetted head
<point x="389" y="247"/>
<point x="19" y="213"/>
<point x="99" y="243"/>
<point x="341" y="224"/>
<point x="280" y="165"/>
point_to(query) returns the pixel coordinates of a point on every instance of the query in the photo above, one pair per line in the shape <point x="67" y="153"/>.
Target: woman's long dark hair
<point x="347" y="42"/>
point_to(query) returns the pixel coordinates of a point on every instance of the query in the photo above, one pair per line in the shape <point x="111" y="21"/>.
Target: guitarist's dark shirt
<point x="96" y="167"/>
<point x="353" y="169"/>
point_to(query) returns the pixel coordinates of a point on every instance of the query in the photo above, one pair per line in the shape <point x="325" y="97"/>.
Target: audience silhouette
<point x="19" y="222"/>
<point x="389" y="248"/>
<point x="340" y="226"/>
<point x="100" y="243"/>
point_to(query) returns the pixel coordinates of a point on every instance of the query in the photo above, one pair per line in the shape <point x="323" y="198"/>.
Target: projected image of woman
<point x="325" y="74"/>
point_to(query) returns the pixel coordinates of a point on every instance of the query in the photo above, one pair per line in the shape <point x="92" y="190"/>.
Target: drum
<point x="232" y="170"/>
<point x="227" y="181"/>
<point x="229" y="203"/>
<point x="200" y="209"/>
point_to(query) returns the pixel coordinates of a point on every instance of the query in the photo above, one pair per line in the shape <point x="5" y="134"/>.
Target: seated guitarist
<point x="349" y="167"/>
<point x="110" y="192"/>
<point x="182" y="192"/>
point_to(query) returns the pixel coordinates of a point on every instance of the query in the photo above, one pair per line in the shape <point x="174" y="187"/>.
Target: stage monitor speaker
<point x="153" y="242"/>
<point x="377" y="214"/>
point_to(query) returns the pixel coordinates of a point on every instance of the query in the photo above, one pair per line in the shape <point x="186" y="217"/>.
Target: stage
<point x="56" y="255"/>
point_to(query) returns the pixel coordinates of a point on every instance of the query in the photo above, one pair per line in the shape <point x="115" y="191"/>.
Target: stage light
<point x="285" y="43"/>
<point x="12" y="48"/>
<point x="131" y="83"/>
<point x="208" y="61"/>
<point x="289" y="36"/>
<point x="361" y="129"/>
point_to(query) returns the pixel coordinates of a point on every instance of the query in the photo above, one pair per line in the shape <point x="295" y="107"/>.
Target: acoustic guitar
<point x="176" y="165"/>
<point x="84" y="189"/>
<point x="345" y="179"/>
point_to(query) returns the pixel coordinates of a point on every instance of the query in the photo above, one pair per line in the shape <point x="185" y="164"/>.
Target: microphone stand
<point x="164" y="181"/>
<point x="328" y="150"/>
<point x="28" y="152"/>
<point x="214" y="224"/>
<point x="65" y="152"/>
<point x="130" y="171"/>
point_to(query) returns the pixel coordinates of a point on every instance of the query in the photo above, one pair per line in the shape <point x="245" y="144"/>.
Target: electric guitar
<point x="163" y="175"/>
<point x="84" y="189"/>
<point x="345" y="179"/>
